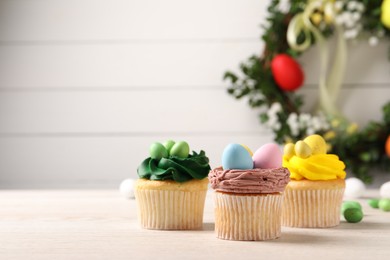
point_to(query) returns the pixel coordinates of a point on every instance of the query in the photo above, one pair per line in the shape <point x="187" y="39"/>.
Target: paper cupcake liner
<point x="312" y="208"/>
<point x="241" y="217"/>
<point x="170" y="210"/>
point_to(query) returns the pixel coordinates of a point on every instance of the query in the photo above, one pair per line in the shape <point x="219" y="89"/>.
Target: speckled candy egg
<point x="235" y="156"/>
<point x="268" y="156"/>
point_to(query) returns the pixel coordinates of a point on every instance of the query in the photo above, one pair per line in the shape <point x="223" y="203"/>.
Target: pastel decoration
<point x="235" y="156"/>
<point x="249" y="150"/>
<point x="384" y="204"/>
<point x="168" y="145"/>
<point x="180" y="149"/>
<point x="354" y="188"/>
<point x="316" y="143"/>
<point x="384" y="190"/>
<point x="302" y="149"/>
<point x="157" y="151"/>
<point x="374" y="203"/>
<point x="126" y="188"/>
<point x="268" y="156"/>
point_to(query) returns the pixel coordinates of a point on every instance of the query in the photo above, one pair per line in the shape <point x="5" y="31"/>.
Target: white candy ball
<point x="354" y="188"/>
<point x="126" y="188"/>
<point x="385" y="190"/>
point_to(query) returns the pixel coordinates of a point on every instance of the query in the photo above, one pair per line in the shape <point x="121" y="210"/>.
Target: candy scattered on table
<point x="353" y="215"/>
<point x="354" y="188"/>
<point x="374" y="203"/>
<point x="384" y="204"/>
<point x="352" y="211"/>
<point x="385" y="190"/>
<point x="126" y="188"/>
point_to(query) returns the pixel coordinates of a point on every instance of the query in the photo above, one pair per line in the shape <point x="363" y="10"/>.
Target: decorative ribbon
<point x="329" y="88"/>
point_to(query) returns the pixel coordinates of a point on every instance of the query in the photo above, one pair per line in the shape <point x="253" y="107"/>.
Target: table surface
<point x="100" y="224"/>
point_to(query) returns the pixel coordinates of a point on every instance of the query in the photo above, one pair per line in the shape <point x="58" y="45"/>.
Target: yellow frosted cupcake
<point x="247" y="199"/>
<point x="314" y="195"/>
<point x="172" y="187"/>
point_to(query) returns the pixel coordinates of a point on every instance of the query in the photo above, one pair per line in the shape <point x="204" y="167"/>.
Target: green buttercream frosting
<point x="195" y="166"/>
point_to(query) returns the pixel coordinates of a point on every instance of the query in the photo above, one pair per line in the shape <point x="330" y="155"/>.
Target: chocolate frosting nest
<point x="253" y="181"/>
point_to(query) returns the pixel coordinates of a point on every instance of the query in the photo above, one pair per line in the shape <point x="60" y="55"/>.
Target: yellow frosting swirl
<point x="315" y="167"/>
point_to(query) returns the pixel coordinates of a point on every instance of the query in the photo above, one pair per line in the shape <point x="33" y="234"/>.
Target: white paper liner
<point x="170" y="210"/>
<point x="312" y="208"/>
<point x="240" y="217"/>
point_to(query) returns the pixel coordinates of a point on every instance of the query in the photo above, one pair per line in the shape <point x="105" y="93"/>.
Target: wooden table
<point x="101" y="224"/>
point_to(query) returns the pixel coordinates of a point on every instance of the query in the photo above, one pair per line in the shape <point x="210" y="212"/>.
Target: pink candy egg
<point x="268" y="156"/>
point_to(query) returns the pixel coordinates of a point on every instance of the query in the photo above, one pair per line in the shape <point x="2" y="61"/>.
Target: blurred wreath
<point x="269" y="81"/>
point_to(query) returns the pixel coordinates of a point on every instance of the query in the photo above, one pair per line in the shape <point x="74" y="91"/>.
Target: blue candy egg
<point x="235" y="156"/>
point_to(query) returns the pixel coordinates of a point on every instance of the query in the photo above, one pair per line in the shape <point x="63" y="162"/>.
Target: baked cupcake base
<point x="247" y="217"/>
<point x="169" y="205"/>
<point x="312" y="204"/>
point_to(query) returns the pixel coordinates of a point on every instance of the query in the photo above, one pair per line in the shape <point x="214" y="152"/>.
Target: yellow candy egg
<point x="385" y="14"/>
<point x="289" y="150"/>
<point x="302" y="149"/>
<point x="316" y="143"/>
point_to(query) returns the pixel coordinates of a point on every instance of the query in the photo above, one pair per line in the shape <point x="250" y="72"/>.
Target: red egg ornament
<point x="287" y="72"/>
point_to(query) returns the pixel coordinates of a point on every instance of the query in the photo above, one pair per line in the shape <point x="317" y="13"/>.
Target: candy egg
<point x="384" y="204"/>
<point x="157" y="151"/>
<point x="385" y="190"/>
<point x="235" y="156"/>
<point x="354" y="188"/>
<point x="180" y="149"/>
<point x="287" y="72"/>
<point x="126" y="188"/>
<point x="268" y="156"/>
<point x="302" y="149"/>
<point x="353" y="215"/>
<point x="385" y="13"/>
<point x="249" y="150"/>
<point x="316" y="143"/>
<point x="289" y="150"/>
<point x="168" y="145"/>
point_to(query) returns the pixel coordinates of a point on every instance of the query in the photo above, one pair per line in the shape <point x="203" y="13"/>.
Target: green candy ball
<point x="180" y="149"/>
<point x="168" y="145"/>
<point x="350" y="205"/>
<point x="353" y="215"/>
<point x="374" y="203"/>
<point x="157" y="151"/>
<point x="384" y="204"/>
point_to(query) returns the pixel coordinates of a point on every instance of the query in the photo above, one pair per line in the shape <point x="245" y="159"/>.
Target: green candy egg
<point x="384" y="204"/>
<point x="350" y="205"/>
<point x="157" y="151"/>
<point x="353" y="215"/>
<point x="168" y="145"/>
<point x="374" y="203"/>
<point x="180" y="149"/>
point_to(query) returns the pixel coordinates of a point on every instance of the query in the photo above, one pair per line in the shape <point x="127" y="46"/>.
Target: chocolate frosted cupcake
<point x="172" y="187"/>
<point x="248" y="201"/>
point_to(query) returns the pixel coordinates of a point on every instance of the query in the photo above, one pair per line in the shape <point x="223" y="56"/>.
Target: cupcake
<point x="249" y="193"/>
<point x="314" y="195"/>
<point x="172" y="187"/>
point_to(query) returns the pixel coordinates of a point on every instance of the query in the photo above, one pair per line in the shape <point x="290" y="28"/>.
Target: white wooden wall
<point x="87" y="85"/>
